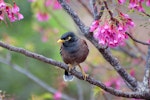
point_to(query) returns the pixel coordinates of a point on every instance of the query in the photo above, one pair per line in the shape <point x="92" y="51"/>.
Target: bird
<point x="73" y="51"/>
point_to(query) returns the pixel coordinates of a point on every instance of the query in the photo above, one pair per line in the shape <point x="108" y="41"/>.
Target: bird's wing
<point x="83" y="42"/>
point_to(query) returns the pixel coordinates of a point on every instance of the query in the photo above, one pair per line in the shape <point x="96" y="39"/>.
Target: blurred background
<point x="23" y="78"/>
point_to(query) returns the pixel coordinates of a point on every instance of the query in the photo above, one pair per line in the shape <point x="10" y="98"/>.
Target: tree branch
<point x="96" y="15"/>
<point x="106" y="53"/>
<point x="74" y="72"/>
<point x="147" y="70"/>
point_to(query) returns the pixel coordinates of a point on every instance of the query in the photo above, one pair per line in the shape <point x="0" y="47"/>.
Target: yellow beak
<point x="60" y="41"/>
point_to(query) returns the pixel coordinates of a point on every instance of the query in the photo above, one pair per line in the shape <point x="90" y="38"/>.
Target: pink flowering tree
<point x="112" y="27"/>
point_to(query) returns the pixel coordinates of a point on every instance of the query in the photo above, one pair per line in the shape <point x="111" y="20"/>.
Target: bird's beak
<point x="60" y="41"/>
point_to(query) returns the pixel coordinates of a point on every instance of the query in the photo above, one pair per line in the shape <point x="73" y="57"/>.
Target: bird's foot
<point x="83" y="73"/>
<point x="85" y="76"/>
<point x="70" y="67"/>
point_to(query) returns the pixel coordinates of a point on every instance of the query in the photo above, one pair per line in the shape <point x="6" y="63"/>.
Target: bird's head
<point x="68" y="38"/>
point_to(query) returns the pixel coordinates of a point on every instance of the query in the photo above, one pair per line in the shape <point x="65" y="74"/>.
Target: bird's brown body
<point x="77" y="55"/>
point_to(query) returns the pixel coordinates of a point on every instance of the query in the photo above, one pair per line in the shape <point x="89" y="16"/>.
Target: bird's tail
<point x="67" y="76"/>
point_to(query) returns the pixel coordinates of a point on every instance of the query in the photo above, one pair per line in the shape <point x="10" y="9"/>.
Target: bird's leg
<point x="83" y="73"/>
<point x="70" y="66"/>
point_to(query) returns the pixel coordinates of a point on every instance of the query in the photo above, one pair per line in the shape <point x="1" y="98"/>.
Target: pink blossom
<point x="57" y="95"/>
<point x="114" y="82"/>
<point x="20" y="16"/>
<point x="12" y="17"/>
<point x="126" y="20"/>
<point x="11" y="12"/>
<point x="140" y="7"/>
<point x="1" y="17"/>
<point x="148" y="2"/>
<point x="2" y="4"/>
<point x="121" y="1"/>
<point x="133" y="4"/>
<point x="94" y="25"/>
<point x="42" y="16"/>
<point x="48" y="3"/>
<point x="136" y="4"/>
<point x="85" y="68"/>
<point x="112" y="34"/>
<point x="15" y="8"/>
<point x="132" y="72"/>
<point x="109" y="35"/>
<point x="56" y="5"/>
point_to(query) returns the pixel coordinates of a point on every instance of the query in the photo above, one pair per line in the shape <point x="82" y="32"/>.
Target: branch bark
<point x="89" y="79"/>
<point x="147" y="70"/>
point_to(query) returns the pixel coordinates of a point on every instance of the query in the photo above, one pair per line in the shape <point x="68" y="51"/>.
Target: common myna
<point x="74" y="51"/>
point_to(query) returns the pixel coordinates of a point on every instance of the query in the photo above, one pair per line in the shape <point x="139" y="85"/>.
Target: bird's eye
<point x="68" y="38"/>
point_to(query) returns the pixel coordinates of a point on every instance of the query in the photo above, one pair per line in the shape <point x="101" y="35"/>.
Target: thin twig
<point x="136" y="50"/>
<point x="96" y="15"/>
<point x="110" y="13"/>
<point x="94" y="8"/>
<point x="144" y="43"/>
<point x="126" y="51"/>
<point x="146" y="14"/>
<point x="74" y="72"/>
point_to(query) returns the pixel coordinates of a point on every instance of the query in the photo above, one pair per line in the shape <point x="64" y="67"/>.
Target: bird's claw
<point x="70" y="67"/>
<point x="85" y="76"/>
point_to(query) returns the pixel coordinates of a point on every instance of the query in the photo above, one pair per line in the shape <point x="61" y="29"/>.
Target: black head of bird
<point x="68" y="39"/>
<point x="74" y="51"/>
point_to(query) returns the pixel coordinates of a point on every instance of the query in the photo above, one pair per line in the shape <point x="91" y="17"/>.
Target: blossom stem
<point x="144" y="43"/>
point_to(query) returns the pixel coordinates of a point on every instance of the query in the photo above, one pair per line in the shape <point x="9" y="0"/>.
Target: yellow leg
<point x="83" y="73"/>
<point x="70" y="66"/>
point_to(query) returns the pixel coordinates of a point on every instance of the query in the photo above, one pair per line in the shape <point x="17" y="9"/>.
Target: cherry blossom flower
<point x="110" y="33"/>
<point x="54" y="3"/>
<point x="114" y="82"/>
<point x="42" y="16"/>
<point x="148" y="2"/>
<point x="94" y="25"/>
<point x="126" y="20"/>
<point x="12" y="13"/>
<point x="20" y="16"/>
<point x="121" y="1"/>
<point x="136" y="4"/>
<point x="132" y="72"/>
<point x="57" y="95"/>
<point x="48" y="3"/>
<point x="15" y="8"/>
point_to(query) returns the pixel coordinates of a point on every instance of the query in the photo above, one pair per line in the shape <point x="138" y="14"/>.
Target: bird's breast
<point x="74" y="54"/>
